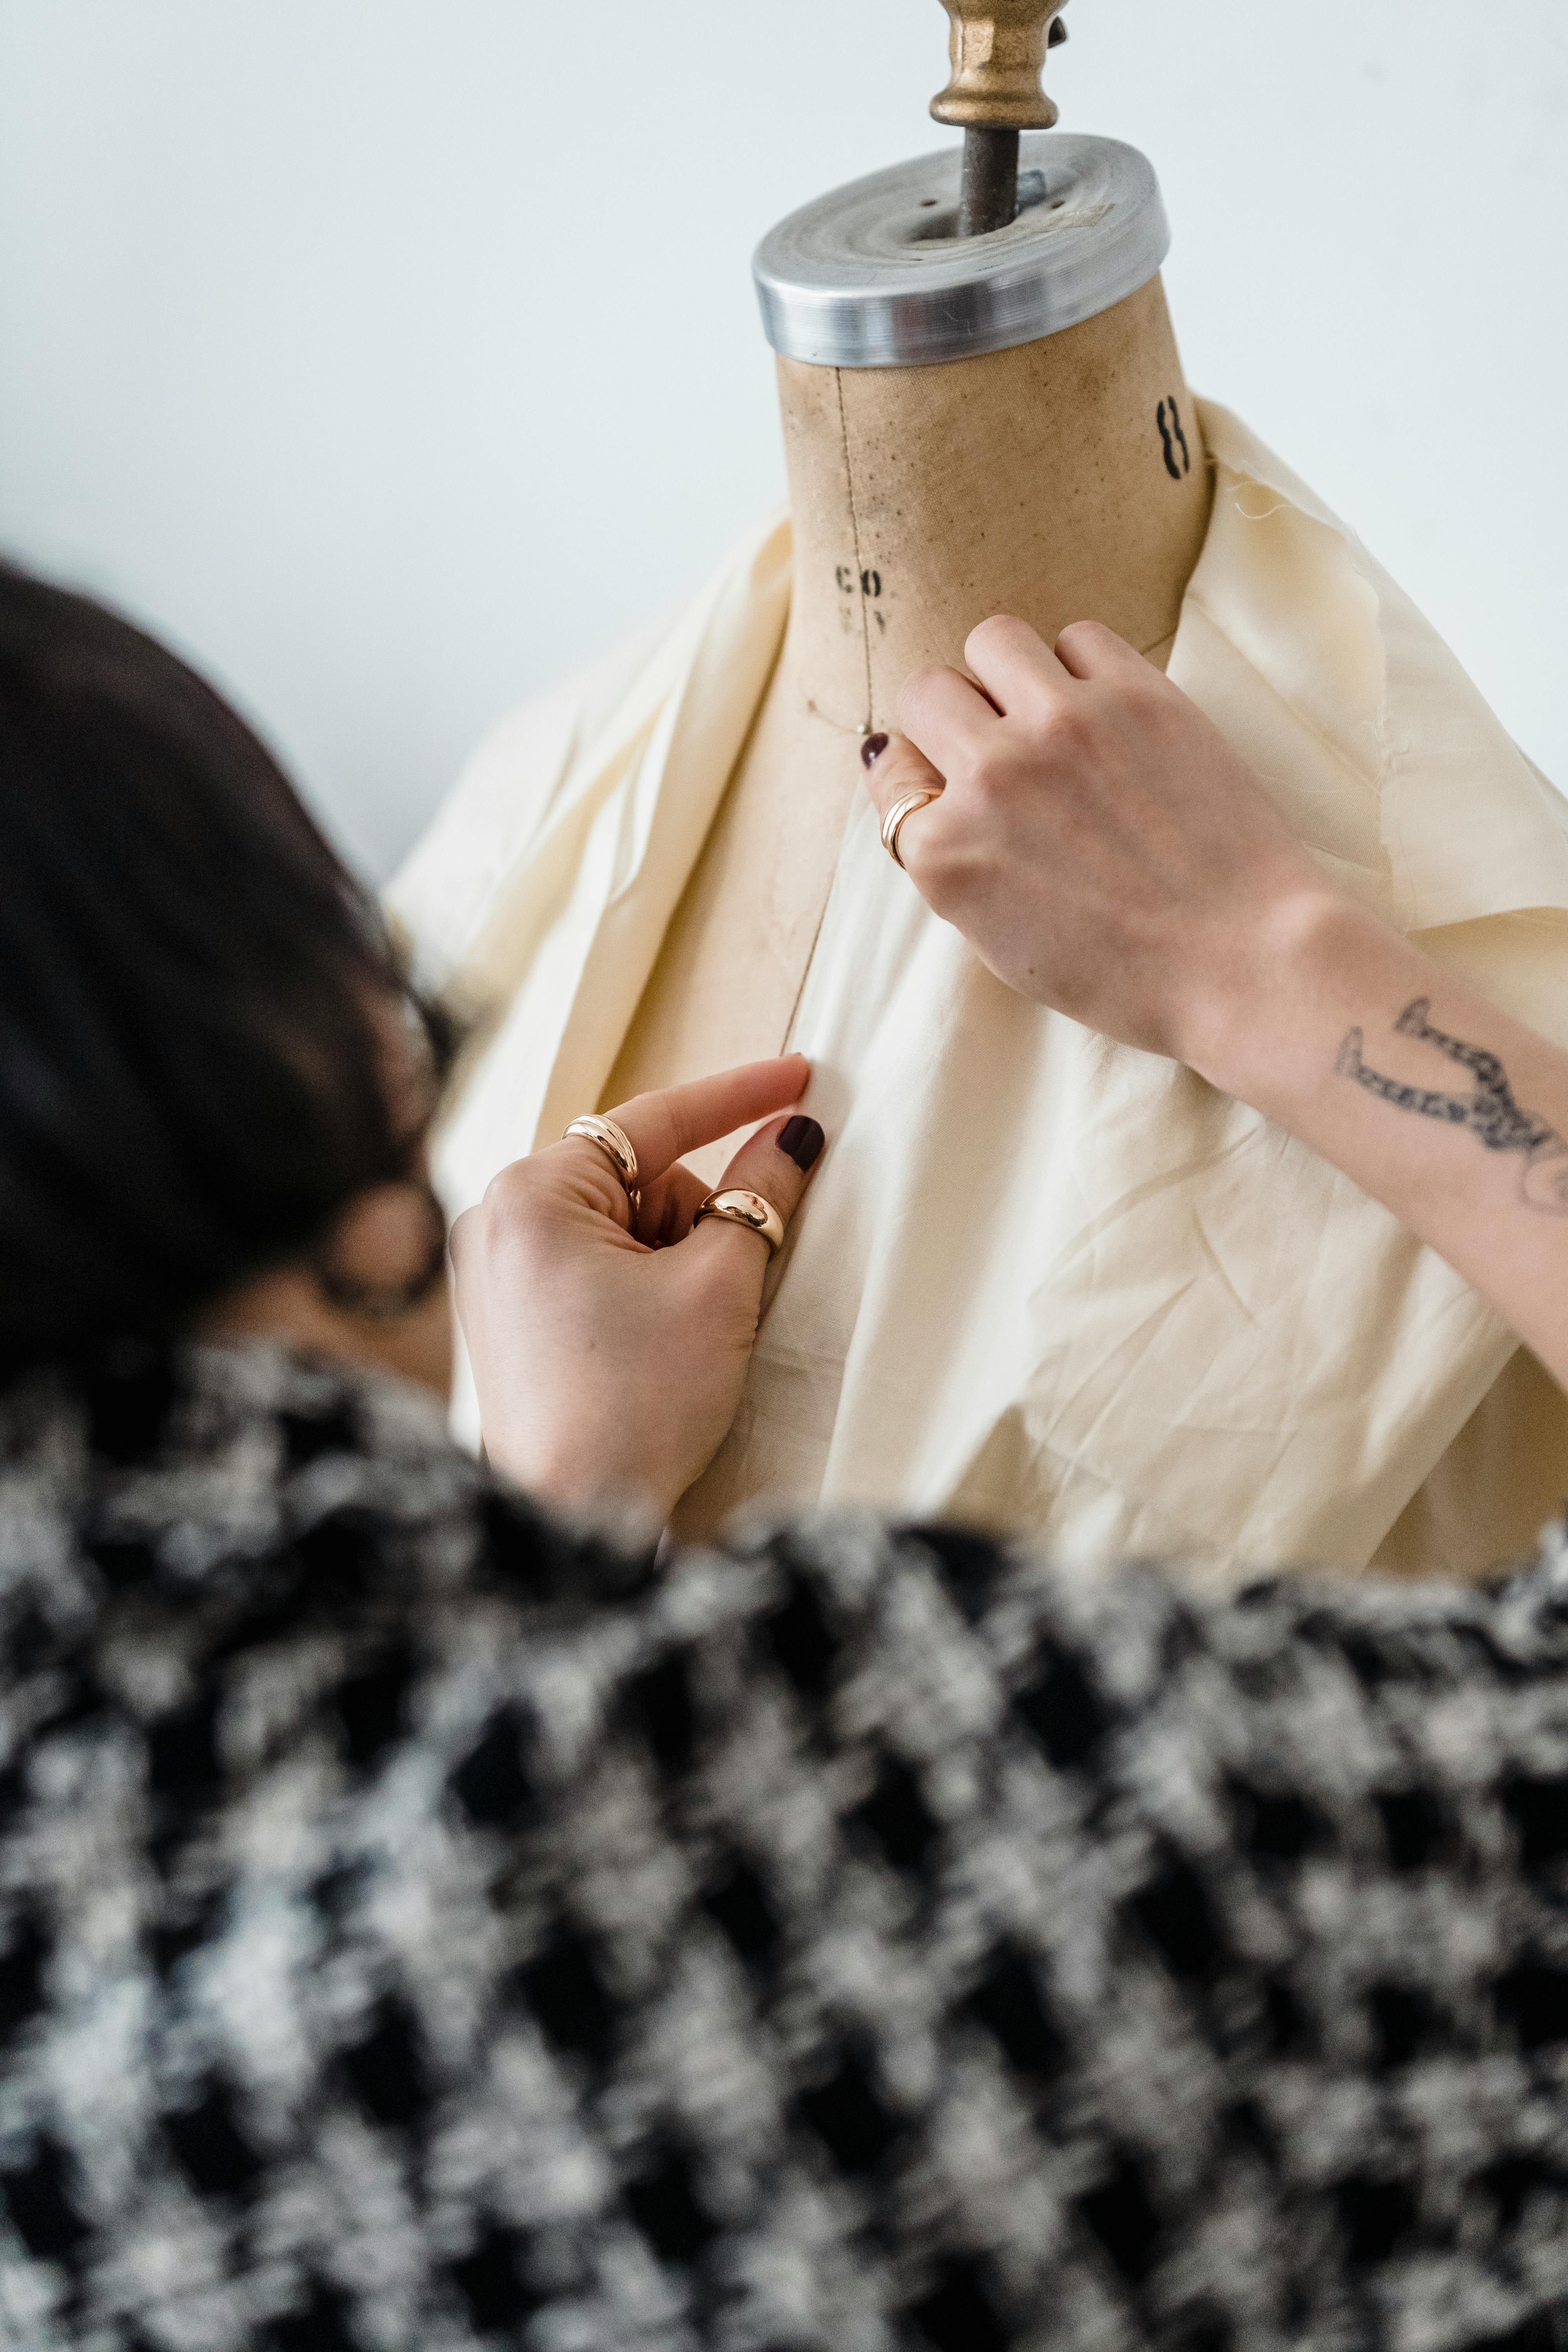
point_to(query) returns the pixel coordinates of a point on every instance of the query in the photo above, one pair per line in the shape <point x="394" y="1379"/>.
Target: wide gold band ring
<point x="616" y="1145"/>
<point x="739" y="1207"/>
<point x="922" y="797"/>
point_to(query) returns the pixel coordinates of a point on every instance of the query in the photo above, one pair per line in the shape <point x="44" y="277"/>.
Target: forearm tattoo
<point x="1490" y="1113"/>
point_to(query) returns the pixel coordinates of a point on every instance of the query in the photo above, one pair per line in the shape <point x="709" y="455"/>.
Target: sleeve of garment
<point x="430" y="1928"/>
<point x="991" y="1964"/>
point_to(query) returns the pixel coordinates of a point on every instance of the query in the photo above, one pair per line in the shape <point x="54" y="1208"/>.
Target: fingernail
<point x="872" y="749"/>
<point x="801" y="1139"/>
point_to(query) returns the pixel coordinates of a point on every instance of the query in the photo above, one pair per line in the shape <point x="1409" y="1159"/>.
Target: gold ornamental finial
<point x="998" y="52"/>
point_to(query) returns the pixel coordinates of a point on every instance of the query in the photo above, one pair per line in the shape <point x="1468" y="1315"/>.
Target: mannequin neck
<point x="1042" y="481"/>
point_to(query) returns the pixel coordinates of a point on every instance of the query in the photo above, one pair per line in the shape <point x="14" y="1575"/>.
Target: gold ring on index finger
<point x="616" y="1145"/>
<point x="739" y="1207"/>
<point x="922" y="797"/>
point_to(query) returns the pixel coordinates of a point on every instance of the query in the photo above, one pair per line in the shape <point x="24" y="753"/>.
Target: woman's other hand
<point x="1098" y="843"/>
<point x="608" y="1352"/>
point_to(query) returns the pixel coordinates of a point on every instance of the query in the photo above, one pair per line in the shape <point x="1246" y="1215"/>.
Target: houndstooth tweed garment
<point x="422" y="1928"/>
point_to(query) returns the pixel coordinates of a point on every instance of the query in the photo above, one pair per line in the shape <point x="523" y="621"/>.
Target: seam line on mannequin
<point x="815" y="936"/>
<point x="855" y="533"/>
<point x="806" y="975"/>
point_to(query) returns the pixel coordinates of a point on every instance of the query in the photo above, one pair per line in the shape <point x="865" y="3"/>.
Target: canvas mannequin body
<point x="1061" y="478"/>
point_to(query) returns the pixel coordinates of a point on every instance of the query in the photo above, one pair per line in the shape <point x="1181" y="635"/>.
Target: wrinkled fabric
<point x="1041" y="1280"/>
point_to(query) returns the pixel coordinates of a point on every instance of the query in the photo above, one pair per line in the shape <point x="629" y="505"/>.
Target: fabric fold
<point x="1043" y="1281"/>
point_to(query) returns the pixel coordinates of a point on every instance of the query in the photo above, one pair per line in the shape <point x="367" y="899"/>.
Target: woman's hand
<point x="1098" y="843"/>
<point x="608" y="1356"/>
<point x="1106" y="852"/>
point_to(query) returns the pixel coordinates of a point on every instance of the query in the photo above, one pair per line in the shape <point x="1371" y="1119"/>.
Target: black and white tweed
<point x="422" y="1929"/>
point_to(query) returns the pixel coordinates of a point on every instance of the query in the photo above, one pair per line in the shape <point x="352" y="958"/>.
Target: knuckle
<point x="917" y="689"/>
<point x="998" y="633"/>
<point x="505" y="1197"/>
<point x="1066" y="733"/>
<point x="726" y="1273"/>
<point x="1087" y="632"/>
<point x="994" y="774"/>
<point x="986" y="779"/>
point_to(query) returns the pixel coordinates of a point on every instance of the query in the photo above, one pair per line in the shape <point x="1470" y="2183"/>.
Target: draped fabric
<point x="1041" y="1280"/>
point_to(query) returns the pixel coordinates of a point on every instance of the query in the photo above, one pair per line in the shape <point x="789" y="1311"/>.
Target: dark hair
<point x="195" y="994"/>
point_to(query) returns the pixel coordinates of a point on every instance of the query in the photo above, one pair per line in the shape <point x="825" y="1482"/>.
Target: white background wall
<point x="393" y="356"/>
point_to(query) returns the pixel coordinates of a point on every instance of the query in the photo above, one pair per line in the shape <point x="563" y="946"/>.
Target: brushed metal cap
<point x="873" y="275"/>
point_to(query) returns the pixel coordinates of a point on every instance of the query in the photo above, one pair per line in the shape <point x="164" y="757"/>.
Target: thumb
<point x="894" y="768"/>
<point x="776" y="1164"/>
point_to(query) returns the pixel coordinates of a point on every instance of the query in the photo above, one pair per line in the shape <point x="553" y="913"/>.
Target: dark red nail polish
<point x="801" y="1139"/>
<point x="872" y="749"/>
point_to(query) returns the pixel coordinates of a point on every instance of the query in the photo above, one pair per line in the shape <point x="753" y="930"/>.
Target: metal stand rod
<point x="989" y="197"/>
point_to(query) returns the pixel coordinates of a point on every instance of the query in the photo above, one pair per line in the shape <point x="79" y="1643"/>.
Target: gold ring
<point x="918" y="799"/>
<point x="616" y="1145"/>
<point x="739" y="1207"/>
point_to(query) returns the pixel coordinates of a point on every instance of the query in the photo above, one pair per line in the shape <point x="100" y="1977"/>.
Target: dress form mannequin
<point x="1059" y="476"/>
<point x="1041" y="1283"/>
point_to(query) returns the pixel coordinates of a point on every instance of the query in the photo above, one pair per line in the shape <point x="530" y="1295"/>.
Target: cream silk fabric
<point x="1043" y="1281"/>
